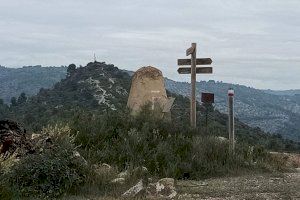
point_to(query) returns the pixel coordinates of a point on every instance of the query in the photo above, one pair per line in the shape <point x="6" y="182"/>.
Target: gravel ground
<point x="267" y="186"/>
<point x="253" y="187"/>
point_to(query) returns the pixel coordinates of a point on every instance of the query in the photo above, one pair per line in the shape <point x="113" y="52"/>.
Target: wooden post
<point x="193" y="84"/>
<point x="193" y="70"/>
<point x="231" y="120"/>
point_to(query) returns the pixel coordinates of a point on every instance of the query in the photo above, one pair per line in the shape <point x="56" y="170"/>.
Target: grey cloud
<point x="255" y="43"/>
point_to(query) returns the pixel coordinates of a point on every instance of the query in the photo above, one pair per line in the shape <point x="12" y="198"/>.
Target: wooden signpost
<point x="193" y="70"/>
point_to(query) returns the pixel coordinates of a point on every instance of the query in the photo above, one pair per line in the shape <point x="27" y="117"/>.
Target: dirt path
<point x="284" y="186"/>
<point x="248" y="187"/>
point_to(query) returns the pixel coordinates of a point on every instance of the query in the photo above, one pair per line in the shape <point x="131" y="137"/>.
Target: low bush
<point x="165" y="148"/>
<point x="52" y="171"/>
<point x="211" y="157"/>
<point x="125" y="142"/>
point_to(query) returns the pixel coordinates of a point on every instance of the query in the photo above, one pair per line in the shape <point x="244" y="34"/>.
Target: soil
<point x="266" y="186"/>
<point x="285" y="186"/>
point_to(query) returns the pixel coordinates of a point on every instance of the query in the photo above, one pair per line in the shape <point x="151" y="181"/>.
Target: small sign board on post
<point x="231" y="92"/>
<point x="207" y="98"/>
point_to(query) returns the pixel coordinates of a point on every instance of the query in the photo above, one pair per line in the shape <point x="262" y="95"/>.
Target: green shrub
<point x="125" y="142"/>
<point x="165" y="148"/>
<point x="51" y="172"/>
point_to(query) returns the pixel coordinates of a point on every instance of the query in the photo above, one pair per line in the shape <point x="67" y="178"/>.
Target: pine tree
<point x="22" y="98"/>
<point x="13" y="101"/>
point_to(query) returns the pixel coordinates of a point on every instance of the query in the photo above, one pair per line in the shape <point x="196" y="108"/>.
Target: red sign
<point x="231" y="92"/>
<point x="207" y="97"/>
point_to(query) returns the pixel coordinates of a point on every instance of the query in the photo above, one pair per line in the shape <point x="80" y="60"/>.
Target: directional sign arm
<point x="199" y="61"/>
<point x="199" y="70"/>
<point x="203" y="61"/>
<point x="190" y="50"/>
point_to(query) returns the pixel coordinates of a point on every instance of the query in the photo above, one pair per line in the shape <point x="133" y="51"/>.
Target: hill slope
<point x="96" y="87"/>
<point x="283" y="92"/>
<point x="14" y="81"/>
<point x="258" y="108"/>
<point x="272" y="113"/>
<point x="99" y="88"/>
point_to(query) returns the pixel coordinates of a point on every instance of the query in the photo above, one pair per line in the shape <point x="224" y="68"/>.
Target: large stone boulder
<point x="148" y="87"/>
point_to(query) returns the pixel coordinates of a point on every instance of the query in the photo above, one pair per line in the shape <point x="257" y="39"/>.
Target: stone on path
<point x="164" y="188"/>
<point x="135" y="190"/>
<point x="118" y="180"/>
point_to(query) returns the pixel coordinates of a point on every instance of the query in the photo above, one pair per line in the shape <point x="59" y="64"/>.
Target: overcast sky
<point x="254" y="42"/>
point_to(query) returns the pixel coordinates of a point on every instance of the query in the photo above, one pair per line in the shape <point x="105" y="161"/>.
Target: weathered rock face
<point x="147" y="86"/>
<point x="12" y="137"/>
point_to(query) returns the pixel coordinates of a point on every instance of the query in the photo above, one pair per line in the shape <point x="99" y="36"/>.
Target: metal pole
<point x="231" y="120"/>
<point x="193" y="84"/>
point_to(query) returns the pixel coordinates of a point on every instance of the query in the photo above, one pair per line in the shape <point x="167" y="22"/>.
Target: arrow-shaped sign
<point x="199" y="70"/>
<point x="190" y="50"/>
<point x="199" y="61"/>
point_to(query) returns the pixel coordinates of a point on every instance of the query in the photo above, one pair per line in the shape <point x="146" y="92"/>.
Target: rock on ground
<point x="118" y="180"/>
<point x="135" y="190"/>
<point x="162" y="189"/>
<point x="13" y="138"/>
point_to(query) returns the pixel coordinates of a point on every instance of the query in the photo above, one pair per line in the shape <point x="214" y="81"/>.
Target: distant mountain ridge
<point x="283" y="92"/>
<point x="273" y="113"/>
<point x="28" y="79"/>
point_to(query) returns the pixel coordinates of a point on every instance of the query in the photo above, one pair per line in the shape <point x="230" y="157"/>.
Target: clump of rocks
<point x="144" y="187"/>
<point x="163" y="188"/>
<point x="13" y="139"/>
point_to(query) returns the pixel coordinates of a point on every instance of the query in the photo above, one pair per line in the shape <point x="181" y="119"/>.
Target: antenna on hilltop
<point x="95" y="58"/>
